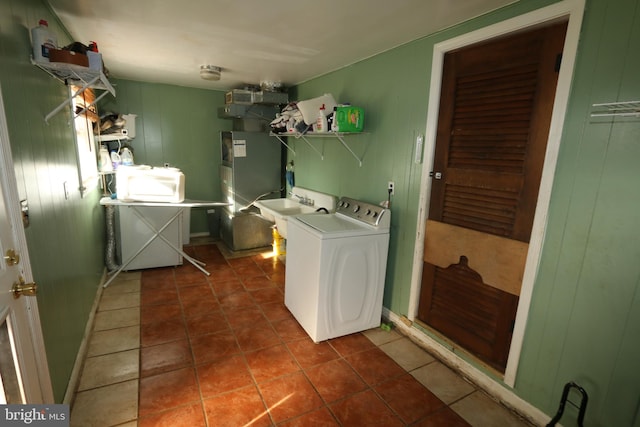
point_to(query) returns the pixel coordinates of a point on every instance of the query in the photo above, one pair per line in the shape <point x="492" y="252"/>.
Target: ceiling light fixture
<point x="210" y="72"/>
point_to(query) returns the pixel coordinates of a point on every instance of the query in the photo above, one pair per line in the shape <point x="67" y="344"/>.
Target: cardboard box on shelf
<point x="68" y="57"/>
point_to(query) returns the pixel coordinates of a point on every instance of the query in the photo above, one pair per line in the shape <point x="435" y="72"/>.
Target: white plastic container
<point x="127" y="157"/>
<point x="116" y="160"/>
<point x="104" y="160"/>
<point x="321" y="121"/>
<point x="42" y="40"/>
<point x="95" y="60"/>
<point x="130" y="124"/>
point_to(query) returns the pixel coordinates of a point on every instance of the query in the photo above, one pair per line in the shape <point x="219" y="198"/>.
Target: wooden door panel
<point x="493" y="124"/>
<point x="466" y="310"/>
<point x="445" y="244"/>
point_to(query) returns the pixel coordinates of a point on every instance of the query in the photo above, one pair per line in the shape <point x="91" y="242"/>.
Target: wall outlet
<point x="391" y="188"/>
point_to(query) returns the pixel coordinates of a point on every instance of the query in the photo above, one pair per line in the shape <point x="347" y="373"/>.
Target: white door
<point x="24" y="375"/>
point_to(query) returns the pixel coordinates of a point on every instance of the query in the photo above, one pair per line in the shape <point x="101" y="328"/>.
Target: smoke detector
<point x="210" y="72"/>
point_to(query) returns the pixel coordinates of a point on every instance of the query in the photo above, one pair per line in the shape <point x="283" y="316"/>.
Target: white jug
<point x="104" y="161"/>
<point x="127" y="157"/>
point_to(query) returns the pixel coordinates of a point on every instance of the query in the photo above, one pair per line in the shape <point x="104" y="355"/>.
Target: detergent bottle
<point x="43" y="40"/>
<point x="104" y="160"/>
<point x="127" y="157"/>
<point x="116" y="160"/>
<point x="321" y="121"/>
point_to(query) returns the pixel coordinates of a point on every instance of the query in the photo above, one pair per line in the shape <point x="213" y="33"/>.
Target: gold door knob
<point x="22" y="288"/>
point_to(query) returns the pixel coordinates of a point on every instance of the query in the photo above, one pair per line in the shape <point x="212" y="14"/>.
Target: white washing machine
<point x="336" y="266"/>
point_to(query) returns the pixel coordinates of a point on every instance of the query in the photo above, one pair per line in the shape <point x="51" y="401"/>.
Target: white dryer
<point x="336" y="267"/>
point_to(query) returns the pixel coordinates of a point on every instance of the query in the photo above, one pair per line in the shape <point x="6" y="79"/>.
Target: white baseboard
<point x="78" y="365"/>
<point x="496" y="390"/>
<point x="201" y="234"/>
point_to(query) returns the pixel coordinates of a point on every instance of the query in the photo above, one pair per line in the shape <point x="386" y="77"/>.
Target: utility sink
<point x="273" y="208"/>
<point x="277" y="210"/>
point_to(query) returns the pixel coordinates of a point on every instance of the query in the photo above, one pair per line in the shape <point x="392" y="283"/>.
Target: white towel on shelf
<point x="310" y="107"/>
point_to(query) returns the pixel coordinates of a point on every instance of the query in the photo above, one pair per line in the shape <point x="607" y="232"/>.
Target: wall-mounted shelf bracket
<point x="310" y="145"/>
<point x="337" y="135"/>
<point x="617" y="109"/>
<point x="279" y="136"/>
<point x="76" y="75"/>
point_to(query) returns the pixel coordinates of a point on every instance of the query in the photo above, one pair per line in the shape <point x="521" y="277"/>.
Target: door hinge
<point x="24" y="208"/>
<point x="558" y="62"/>
<point x="436" y="175"/>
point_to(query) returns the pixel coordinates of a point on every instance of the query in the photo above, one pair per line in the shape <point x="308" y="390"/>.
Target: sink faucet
<point x="260" y="197"/>
<point x="303" y="199"/>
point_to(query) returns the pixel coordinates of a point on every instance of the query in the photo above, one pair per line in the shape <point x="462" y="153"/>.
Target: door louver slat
<point x="463" y="307"/>
<point x="477" y="114"/>
<point x="457" y="289"/>
<point x="490" y="211"/>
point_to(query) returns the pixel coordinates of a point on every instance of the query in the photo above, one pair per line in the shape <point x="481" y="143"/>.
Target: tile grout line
<point x="243" y="353"/>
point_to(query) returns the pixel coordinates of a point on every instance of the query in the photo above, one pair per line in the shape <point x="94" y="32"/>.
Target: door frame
<point x="567" y="9"/>
<point x="38" y="387"/>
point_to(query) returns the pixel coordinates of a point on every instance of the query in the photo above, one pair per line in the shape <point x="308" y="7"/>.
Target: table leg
<point x="192" y="260"/>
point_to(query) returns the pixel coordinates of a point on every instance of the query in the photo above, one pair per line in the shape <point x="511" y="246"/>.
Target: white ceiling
<point x="253" y="41"/>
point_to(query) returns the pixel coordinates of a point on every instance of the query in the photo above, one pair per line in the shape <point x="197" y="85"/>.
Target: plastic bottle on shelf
<point x="95" y="57"/>
<point x="115" y="159"/>
<point x="321" y="121"/>
<point x="104" y="160"/>
<point x="43" y="40"/>
<point x="334" y="120"/>
<point x="127" y="157"/>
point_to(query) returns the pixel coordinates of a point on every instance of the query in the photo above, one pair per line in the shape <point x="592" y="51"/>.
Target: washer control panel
<point x="366" y="212"/>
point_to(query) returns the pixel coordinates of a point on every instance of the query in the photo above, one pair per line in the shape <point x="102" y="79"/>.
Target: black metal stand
<point x="563" y="401"/>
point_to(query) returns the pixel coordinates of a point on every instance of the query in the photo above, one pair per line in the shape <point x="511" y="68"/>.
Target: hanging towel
<point x="290" y="178"/>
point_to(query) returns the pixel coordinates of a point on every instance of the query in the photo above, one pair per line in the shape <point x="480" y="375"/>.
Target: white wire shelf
<point x="337" y="135"/>
<point x="119" y="136"/>
<point x="77" y="75"/>
<point x="616" y="109"/>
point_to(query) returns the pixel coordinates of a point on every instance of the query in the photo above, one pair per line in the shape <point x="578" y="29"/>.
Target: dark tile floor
<point x="173" y="347"/>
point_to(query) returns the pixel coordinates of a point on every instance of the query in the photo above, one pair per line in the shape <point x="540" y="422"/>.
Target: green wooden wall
<point x="66" y="236"/>
<point x="179" y="126"/>
<point x="585" y="319"/>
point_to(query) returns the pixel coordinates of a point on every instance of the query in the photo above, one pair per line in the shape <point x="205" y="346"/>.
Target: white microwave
<point x="142" y="183"/>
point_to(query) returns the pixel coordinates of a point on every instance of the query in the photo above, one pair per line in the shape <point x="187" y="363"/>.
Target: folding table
<point x="157" y="231"/>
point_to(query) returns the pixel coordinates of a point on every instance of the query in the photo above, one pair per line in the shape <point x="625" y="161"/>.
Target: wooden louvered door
<point x="495" y="111"/>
